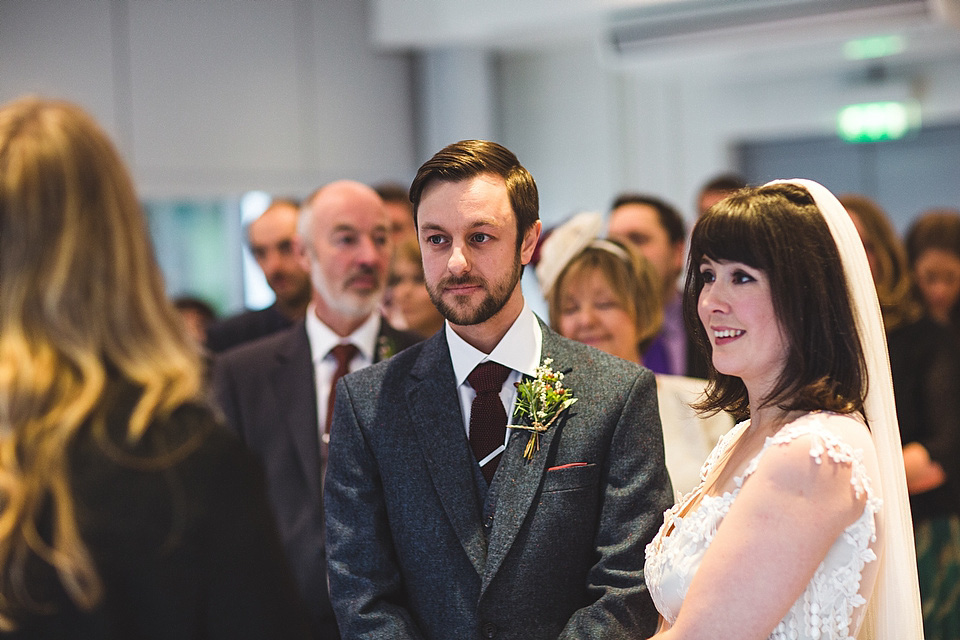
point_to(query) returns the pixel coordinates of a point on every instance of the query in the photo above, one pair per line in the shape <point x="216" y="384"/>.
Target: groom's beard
<point x="459" y="310"/>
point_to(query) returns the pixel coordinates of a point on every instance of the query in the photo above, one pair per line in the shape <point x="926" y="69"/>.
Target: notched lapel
<point x="295" y="391"/>
<point x="518" y="483"/>
<point x="435" y="408"/>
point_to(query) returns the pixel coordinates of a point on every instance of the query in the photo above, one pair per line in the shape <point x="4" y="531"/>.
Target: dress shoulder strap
<point x="826" y="445"/>
<point x="726" y="441"/>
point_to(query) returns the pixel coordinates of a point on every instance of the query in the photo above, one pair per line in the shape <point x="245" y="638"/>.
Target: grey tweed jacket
<point x="410" y="554"/>
<point x="268" y="395"/>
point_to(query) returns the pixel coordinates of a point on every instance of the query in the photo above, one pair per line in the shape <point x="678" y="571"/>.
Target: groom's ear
<point x="530" y="238"/>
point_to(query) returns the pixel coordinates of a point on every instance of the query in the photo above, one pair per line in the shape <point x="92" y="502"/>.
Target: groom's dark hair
<point x="470" y="158"/>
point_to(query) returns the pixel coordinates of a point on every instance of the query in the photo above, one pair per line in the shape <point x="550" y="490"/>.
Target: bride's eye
<point x="742" y="277"/>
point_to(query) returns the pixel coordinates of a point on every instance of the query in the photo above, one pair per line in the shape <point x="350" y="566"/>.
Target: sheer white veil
<point x="894" y="610"/>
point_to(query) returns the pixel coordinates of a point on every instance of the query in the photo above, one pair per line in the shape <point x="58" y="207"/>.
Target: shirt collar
<point x="519" y="349"/>
<point x="322" y="338"/>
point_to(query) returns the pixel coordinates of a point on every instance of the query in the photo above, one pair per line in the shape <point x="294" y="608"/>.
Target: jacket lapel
<point x="435" y="408"/>
<point x="295" y="389"/>
<point x="518" y="480"/>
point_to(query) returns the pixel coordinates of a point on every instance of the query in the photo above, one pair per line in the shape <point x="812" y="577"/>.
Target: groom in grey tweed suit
<point x="420" y="544"/>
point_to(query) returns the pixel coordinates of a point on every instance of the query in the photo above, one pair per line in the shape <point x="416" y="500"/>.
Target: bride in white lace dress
<point x="799" y="527"/>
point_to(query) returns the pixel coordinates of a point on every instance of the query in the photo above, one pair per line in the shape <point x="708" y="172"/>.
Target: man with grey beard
<point x="277" y="392"/>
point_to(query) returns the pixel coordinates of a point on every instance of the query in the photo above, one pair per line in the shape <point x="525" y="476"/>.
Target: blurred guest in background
<point x="197" y="315"/>
<point x="718" y="188"/>
<point x="126" y="511"/>
<point x="407" y="299"/>
<point x="396" y="200"/>
<point x="278" y="392"/>
<point x="602" y="293"/>
<point x="272" y="239"/>
<point x="925" y="363"/>
<point x="933" y="248"/>
<point x="657" y="231"/>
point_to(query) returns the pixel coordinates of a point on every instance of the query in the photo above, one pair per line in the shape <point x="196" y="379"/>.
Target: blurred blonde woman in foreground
<point x="125" y="510"/>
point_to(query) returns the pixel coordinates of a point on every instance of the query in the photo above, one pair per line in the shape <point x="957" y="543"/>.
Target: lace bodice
<point x="831" y="605"/>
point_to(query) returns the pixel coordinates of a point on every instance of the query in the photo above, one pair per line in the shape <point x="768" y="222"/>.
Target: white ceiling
<point x="761" y="35"/>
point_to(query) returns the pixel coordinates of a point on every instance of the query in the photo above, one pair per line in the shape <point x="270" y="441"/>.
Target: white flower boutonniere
<point x="540" y="401"/>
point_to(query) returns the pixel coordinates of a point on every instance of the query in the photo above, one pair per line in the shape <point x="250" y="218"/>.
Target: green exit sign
<point x="873" y="121"/>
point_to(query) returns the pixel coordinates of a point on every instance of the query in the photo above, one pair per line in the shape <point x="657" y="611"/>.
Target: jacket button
<point x="488" y="630"/>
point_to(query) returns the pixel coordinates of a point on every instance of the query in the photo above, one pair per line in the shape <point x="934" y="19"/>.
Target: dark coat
<point x="411" y="555"/>
<point x="181" y="534"/>
<point x="246" y="327"/>
<point x="267" y="392"/>
<point x="925" y="363"/>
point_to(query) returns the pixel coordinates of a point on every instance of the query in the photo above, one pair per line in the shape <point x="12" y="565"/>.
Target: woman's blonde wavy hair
<point x="82" y="306"/>
<point x="632" y="278"/>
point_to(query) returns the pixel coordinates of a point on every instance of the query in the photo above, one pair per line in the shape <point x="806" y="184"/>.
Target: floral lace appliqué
<point x="831" y="605"/>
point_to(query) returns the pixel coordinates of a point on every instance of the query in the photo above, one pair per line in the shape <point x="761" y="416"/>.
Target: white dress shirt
<point x="322" y="340"/>
<point x="519" y="350"/>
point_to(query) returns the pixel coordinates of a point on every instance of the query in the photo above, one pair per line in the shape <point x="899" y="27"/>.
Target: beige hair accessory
<point x="564" y="243"/>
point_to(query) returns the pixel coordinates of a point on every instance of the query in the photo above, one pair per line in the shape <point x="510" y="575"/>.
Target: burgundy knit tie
<point x="488" y="419"/>
<point x="343" y="354"/>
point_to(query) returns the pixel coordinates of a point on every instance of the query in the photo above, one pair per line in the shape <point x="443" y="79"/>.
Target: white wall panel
<point x="61" y="50"/>
<point x="213" y="98"/>
<point x="561" y="117"/>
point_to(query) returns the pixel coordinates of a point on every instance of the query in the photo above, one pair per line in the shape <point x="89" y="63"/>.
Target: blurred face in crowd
<point x="272" y="239"/>
<point x="710" y="198"/>
<point x="195" y="323"/>
<point x="401" y="222"/>
<point x="348" y="251"/>
<point x="639" y="225"/>
<point x="868" y="246"/>
<point x="937" y="274"/>
<point x="409" y="297"/>
<point x="592" y="313"/>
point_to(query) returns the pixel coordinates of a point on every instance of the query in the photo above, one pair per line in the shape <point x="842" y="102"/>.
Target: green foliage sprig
<point x="540" y="401"/>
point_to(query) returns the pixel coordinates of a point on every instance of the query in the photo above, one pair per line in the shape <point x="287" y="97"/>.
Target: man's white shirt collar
<point x="322" y="338"/>
<point x="519" y="349"/>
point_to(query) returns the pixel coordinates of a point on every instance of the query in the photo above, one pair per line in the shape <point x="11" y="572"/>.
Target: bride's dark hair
<point x="779" y="230"/>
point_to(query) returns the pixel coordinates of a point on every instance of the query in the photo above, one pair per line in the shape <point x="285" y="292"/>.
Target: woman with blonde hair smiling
<point x="602" y="293"/>
<point x="126" y="511"/>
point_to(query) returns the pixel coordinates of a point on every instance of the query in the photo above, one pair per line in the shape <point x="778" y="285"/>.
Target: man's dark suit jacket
<point x="267" y="393"/>
<point x="410" y="554"/>
<point x="246" y="327"/>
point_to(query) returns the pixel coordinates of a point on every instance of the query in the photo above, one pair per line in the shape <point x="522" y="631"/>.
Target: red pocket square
<point x="568" y="466"/>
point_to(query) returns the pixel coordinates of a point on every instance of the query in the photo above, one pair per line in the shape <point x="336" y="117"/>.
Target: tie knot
<point x="488" y="377"/>
<point x="344" y="353"/>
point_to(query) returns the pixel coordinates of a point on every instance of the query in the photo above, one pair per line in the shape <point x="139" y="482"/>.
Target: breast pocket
<point x="571" y="478"/>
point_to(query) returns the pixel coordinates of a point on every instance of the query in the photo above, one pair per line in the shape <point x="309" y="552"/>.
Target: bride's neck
<point x="769" y="419"/>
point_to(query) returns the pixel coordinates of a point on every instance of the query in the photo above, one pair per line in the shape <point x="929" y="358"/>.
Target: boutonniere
<point x="540" y="401"/>
<point x="386" y="348"/>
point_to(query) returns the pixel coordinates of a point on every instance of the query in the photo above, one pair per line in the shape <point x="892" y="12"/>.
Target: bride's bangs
<point x="731" y="234"/>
